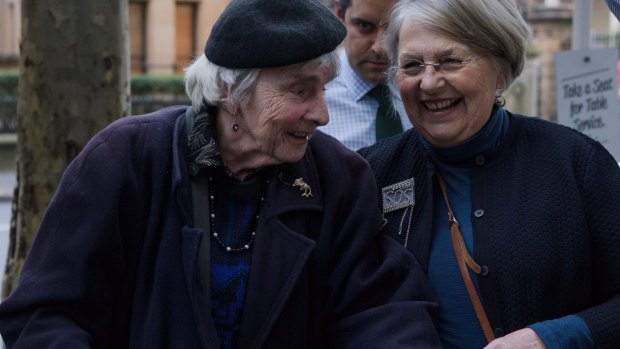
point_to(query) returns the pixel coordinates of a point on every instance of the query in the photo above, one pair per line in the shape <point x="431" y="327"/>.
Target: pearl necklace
<point x="244" y="247"/>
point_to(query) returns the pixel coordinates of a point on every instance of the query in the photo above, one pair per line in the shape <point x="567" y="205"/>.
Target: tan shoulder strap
<point x="464" y="259"/>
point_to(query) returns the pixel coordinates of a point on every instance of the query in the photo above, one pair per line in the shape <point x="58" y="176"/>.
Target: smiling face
<point x="447" y="106"/>
<point x="284" y="110"/>
<point x="364" y="22"/>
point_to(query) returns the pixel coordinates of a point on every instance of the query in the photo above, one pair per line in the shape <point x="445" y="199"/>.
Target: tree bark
<point x="74" y="80"/>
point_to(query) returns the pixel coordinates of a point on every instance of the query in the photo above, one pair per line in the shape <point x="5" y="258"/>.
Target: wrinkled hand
<point x="523" y="338"/>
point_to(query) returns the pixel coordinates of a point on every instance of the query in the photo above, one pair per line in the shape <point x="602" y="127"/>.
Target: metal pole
<point x="582" y="18"/>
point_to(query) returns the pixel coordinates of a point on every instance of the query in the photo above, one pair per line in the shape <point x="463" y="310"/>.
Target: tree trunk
<point x="74" y="80"/>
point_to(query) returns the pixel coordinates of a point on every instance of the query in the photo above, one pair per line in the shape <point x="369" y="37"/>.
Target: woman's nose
<point x="318" y="113"/>
<point x="431" y="78"/>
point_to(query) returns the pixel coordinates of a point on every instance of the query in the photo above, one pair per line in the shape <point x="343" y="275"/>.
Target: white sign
<point x="587" y="97"/>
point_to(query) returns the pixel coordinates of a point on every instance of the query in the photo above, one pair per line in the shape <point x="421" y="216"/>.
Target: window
<point x="137" y="36"/>
<point x="185" y="34"/>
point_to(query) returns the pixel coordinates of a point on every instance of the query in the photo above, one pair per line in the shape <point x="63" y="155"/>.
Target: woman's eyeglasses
<point x="445" y="65"/>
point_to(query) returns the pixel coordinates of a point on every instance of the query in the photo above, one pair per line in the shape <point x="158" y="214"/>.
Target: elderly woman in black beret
<point x="229" y="224"/>
<point x="513" y="218"/>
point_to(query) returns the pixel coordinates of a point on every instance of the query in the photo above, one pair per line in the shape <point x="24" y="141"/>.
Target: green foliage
<point x="148" y="93"/>
<point x="157" y="85"/>
<point x="8" y="82"/>
<point x="141" y="85"/>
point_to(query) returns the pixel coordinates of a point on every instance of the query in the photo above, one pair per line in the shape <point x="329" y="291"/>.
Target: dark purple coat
<point x="114" y="262"/>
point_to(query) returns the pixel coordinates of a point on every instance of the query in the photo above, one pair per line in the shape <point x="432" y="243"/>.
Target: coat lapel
<point x="282" y="248"/>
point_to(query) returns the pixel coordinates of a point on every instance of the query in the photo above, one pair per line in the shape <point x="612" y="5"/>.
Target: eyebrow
<point x="444" y="52"/>
<point x="360" y="19"/>
<point x="303" y="77"/>
<point x="408" y="56"/>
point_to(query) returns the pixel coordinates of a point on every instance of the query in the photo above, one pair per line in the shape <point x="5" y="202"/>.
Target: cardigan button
<point x="479" y="213"/>
<point x="480" y="160"/>
<point x="498" y="332"/>
<point x="484" y="270"/>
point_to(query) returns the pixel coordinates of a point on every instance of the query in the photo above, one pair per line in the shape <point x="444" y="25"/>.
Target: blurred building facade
<point x="165" y="35"/>
<point x="10" y="24"/>
<point x="551" y="22"/>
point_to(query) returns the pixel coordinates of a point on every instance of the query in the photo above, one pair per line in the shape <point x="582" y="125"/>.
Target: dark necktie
<point x="387" y="121"/>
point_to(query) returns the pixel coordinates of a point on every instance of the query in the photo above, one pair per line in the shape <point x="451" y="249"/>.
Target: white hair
<point x="209" y="84"/>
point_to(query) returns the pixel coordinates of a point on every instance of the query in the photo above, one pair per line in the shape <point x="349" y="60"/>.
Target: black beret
<point x="272" y="33"/>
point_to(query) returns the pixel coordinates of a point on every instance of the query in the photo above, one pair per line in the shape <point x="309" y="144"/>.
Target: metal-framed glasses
<point x="447" y="65"/>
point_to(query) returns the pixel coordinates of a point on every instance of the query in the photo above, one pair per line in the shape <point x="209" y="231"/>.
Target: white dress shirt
<point x="352" y="112"/>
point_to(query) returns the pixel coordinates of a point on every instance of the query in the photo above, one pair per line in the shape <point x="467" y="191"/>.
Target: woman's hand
<point x="523" y="338"/>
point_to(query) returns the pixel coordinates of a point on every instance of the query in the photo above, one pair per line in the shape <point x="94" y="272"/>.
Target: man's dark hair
<point x="343" y="4"/>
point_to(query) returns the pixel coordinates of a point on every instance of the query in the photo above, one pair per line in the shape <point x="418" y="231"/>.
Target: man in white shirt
<point x="353" y="104"/>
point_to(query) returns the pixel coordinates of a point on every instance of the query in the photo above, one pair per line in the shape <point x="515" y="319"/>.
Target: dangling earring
<point x="234" y="125"/>
<point x="500" y="101"/>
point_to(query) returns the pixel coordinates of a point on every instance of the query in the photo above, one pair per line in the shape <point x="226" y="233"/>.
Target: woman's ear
<point x="500" y="83"/>
<point x="229" y="106"/>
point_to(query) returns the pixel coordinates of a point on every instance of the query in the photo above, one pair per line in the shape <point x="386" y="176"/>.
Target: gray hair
<point x="344" y="4"/>
<point x="208" y="83"/>
<point x="491" y="28"/>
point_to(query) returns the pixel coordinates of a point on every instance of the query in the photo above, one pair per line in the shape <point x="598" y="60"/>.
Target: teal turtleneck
<point x="458" y="324"/>
<point x="458" y="327"/>
<point x="484" y="141"/>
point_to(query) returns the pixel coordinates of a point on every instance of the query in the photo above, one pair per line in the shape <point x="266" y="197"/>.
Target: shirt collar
<point x="356" y="84"/>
